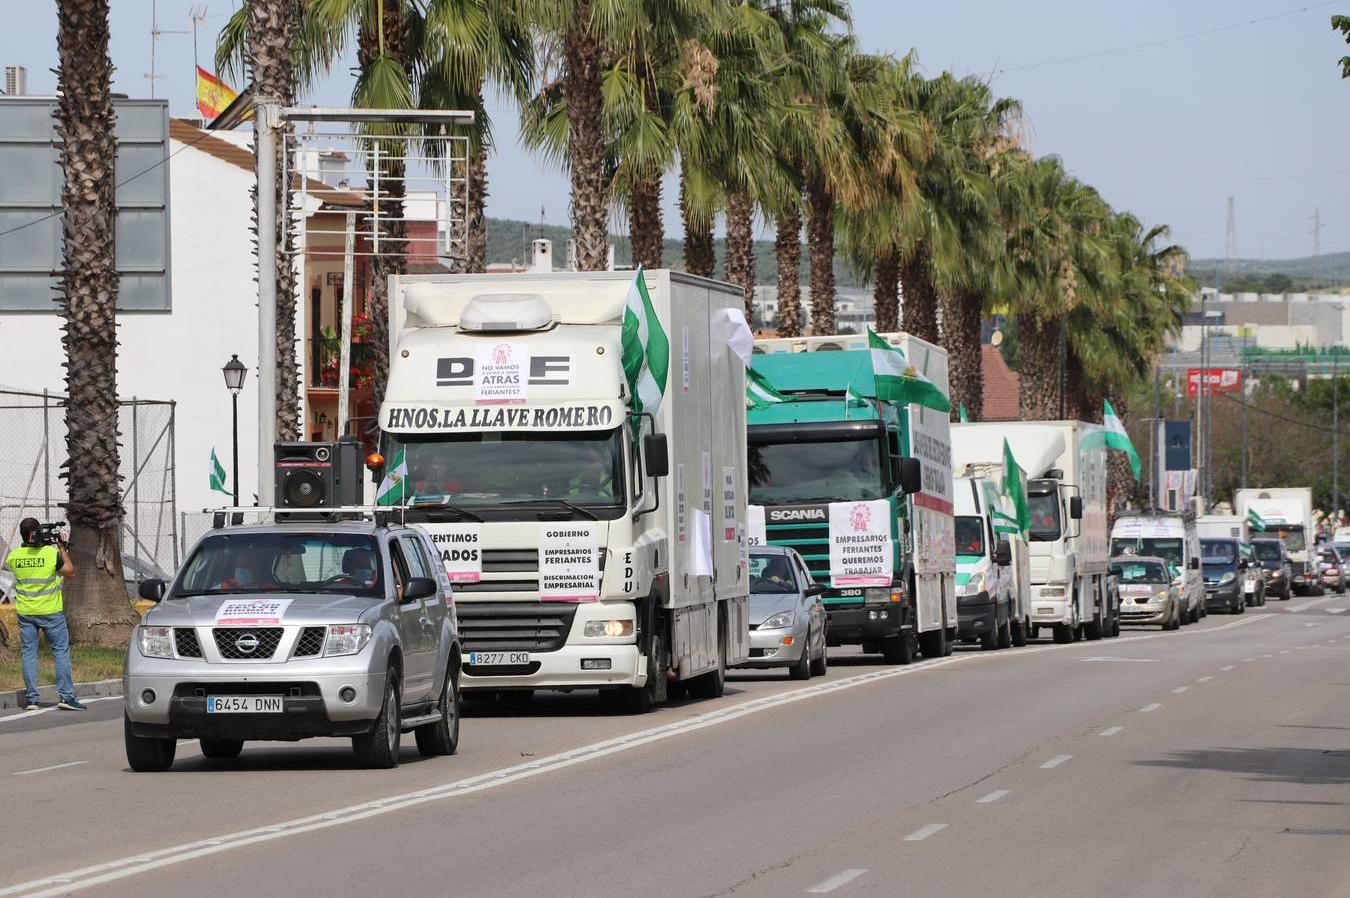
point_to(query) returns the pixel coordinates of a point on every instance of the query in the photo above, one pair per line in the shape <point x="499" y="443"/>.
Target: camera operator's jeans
<point x="54" y="626"/>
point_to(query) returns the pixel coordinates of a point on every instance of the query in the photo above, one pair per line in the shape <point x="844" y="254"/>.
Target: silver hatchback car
<point x="787" y="621"/>
<point x="289" y="630"/>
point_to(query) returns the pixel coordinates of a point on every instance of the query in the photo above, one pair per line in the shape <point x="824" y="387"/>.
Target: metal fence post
<point x="46" y="459"/>
<point x="173" y="477"/>
<point x="135" y="481"/>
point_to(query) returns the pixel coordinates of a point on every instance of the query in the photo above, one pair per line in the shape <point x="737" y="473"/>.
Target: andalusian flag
<point x="213" y="95"/>
<point x="1015" y="488"/>
<point x="218" y="476"/>
<point x="851" y="396"/>
<point x="645" y="349"/>
<point x="394" y="488"/>
<point x="1255" y="521"/>
<point x="759" y="393"/>
<point x="965" y="418"/>
<point x="898" y="380"/>
<point x="1117" y="438"/>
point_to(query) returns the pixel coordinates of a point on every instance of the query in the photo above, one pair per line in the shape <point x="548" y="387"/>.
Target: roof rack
<point x="233" y="515"/>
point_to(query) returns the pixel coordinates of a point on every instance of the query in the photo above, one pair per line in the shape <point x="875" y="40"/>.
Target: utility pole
<point x="1317" y="246"/>
<point x="1242" y="378"/>
<point x="1156" y="441"/>
<point x="1336" y="434"/>
<point x="265" y="121"/>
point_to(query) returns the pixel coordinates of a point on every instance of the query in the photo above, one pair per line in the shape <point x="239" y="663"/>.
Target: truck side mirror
<point x="655" y="455"/>
<point x="1003" y="553"/>
<point x="152" y="590"/>
<point x="1076" y="508"/>
<point x="911" y="476"/>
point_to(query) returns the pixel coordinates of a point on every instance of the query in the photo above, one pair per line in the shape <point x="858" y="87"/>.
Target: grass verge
<point x="88" y="663"/>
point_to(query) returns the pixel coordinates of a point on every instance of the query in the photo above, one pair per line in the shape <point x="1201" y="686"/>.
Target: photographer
<point x="38" y="566"/>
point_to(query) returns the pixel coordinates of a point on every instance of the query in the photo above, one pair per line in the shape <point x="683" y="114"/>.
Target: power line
<point x="1167" y="40"/>
<point x="1288" y="420"/>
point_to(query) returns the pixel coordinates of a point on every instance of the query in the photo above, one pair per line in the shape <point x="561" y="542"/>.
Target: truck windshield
<point x="1266" y="550"/>
<point x="238" y="563"/>
<point x="496" y="467"/>
<point x="836" y="471"/>
<point x="1044" y="516"/>
<point x="1169" y="548"/>
<point x="1292" y="537"/>
<point x="969" y="535"/>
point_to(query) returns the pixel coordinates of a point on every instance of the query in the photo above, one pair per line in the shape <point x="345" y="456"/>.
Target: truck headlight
<point x="879" y="595"/>
<point x="346" y="639"/>
<point x="1227" y="578"/>
<point x="972" y="587"/>
<point x="597" y="629"/>
<point x="157" y="642"/>
<point x="777" y="621"/>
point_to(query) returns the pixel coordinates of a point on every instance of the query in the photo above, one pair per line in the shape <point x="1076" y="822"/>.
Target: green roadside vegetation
<point x="89" y="663"/>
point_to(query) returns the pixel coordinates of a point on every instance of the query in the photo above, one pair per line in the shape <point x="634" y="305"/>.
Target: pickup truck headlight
<point x="346" y="639"/>
<point x="779" y="621"/>
<point x="1227" y="578"/>
<point x="157" y="642"/>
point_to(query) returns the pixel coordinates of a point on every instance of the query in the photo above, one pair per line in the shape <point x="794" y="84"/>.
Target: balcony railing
<point x="325" y="359"/>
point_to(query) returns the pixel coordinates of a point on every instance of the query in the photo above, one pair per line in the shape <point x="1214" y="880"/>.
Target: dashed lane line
<point x="844" y="877"/>
<point x="1056" y="761"/>
<point x="992" y="796"/>
<point x="48" y="769"/>
<point x="1110" y="731"/>
<point x="924" y="832"/>
<point x="1150" y="707"/>
<point x="1180" y="689"/>
<point x="1203" y="679"/>
<point x="1227" y="667"/>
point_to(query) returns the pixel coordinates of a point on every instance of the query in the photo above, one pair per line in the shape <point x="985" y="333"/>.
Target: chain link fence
<point x="33" y="450"/>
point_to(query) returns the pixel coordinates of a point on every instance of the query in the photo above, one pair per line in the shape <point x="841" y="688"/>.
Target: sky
<point x="1168" y="107"/>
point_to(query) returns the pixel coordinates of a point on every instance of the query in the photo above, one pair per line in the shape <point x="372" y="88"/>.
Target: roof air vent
<point x="506" y="312"/>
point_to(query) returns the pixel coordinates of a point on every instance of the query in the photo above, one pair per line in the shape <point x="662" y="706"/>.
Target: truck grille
<point x="310" y="642"/>
<point x="230" y="639"/>
<point x="515" y="626"/>
<point x="185" y="642"/>
<point x="812" y="542"/>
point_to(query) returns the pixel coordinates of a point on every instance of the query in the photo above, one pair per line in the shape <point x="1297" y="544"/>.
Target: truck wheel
<point x="147" y="754"/>
<point x="221" y="749"/>
<point x="1005" y="632"/>
<point x="933" y="644"/>
<point x="1063" y="633"/>
<point x="442" y="737"/>
<point x="821" y="665"/>
<point x="1115" y="623"/>
<point x="899" y="649"/>
<point x="641" y="700"/>
<point x="802" y="669"/>
<point x="713" y="683"/>
<point x="1092" y="630"/>
<point x="989" y="639"/>
<point x="378" y="749"/>
<point x="1019" y="632"/>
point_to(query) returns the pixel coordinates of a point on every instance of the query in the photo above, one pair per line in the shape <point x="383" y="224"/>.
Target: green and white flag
<point x="965" y="418"/>
<point x="1117" y="438"/>
<point x="645" y="349"/>
<point x="759" y="393"/>
<point x="218" y="476"/>
<point x="394" y="488"/>
<point x="1015" y="488"/>
<point x="1255" y="521"/>
<point x="898" y="380"/>
<point x="851" y="396"/>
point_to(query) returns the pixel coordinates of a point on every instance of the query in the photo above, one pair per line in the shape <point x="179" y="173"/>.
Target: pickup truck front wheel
<point x="378" y="749"/>
<point x="147" y="754"/>
<point x="442" y="737"/>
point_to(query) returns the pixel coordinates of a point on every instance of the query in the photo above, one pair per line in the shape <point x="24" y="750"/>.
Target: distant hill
<point x="509" y="240"/>
<point x="1326" y="272"/>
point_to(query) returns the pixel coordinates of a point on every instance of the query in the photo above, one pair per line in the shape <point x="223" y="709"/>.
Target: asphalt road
<point x="1210" y="761"/>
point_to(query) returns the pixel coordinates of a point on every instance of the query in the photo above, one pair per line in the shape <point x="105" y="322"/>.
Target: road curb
<point x="47" y="694"/>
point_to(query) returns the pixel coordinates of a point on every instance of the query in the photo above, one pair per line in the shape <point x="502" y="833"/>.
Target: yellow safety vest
<point x="37" y="585"/>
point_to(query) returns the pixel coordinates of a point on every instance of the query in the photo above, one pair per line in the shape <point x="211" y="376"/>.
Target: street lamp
<point x="234" y="372"/>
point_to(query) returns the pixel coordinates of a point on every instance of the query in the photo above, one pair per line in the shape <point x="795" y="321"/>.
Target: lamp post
<point x="234" y="372"/>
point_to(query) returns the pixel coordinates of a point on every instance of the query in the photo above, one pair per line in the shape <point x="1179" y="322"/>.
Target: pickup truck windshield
<point x="1044" y="516"/>
<point x="836" y="471"/>
<point x="488" y="469"/>
<point x="238" y="563"/>
<point x="969" y="535"/>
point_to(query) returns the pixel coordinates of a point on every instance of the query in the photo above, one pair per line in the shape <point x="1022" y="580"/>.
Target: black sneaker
<point x="71" y="704"/>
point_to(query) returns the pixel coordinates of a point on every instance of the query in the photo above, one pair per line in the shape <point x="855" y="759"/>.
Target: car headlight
<point x="778" y="621"/>
<point x="1227" y="578"/>
<point x="972" y="587"/>
<point x="346" y="639"/>
<point x="157" y="642"/>
<point x="1160" y="596"/>
<point x="597" y="629"/>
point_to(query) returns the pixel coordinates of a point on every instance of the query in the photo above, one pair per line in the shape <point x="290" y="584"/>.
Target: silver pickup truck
<point x="285" y="631"/>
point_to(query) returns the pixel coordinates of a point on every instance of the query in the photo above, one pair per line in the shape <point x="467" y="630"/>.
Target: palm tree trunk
<point x="739" y="263"/>
<point x="699" y="256"/>
<point x="918" y="298"/>
<point x="965" y="361"/>
<point x="820" y="247"/>
<point x="1038" y="367"/>
<point x="788" y="250"/>
<point x="97" y="599"/>
<point x="586" y="140"/>
<point x="475" y="257"/>
<point x="645" y="229"/>
<point x="885" y="295"/>
<point x="271" y="24"/>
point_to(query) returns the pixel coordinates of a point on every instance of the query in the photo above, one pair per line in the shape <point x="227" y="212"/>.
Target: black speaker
<point x="306" y="475"/>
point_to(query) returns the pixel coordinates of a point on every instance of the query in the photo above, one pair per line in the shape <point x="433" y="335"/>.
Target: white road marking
<point x="50" y="708"/>
<point x="53" y="767"/>
<point x="1284" y="651"/>
<point x="992" y="796"/>
<point x="924" y="832"/>
<point x="1113" y="658"/>
<point x="1227" y="667"/>
<point x="1203" y="679"/>
<point x="1267" y="656"/>
<point x="1055" y="762"/>
<point x="1246" y="660"/>
<point x="1110" y="731"/>
<point x="842" y="878"/>
<point x="1180" y="689"/>
<point x="1335" y="611"/>
<point x="1153" y="707"/>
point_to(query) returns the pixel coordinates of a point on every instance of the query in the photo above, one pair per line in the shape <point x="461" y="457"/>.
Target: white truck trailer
<point x="1066" y="465"/>
<point x="1223" y="526"/>
<point x="1287" y="514"/>
<point x="590" y="547"/>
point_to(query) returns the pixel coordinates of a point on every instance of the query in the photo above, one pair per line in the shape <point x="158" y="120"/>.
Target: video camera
<point x="50" y="534"/>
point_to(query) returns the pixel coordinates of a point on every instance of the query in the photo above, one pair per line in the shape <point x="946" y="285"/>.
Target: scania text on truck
<point x="593" y="544"/>
<point x="1287" y="514"/>
<point x="1066" y="465"/>
<point x="829" y="474"/>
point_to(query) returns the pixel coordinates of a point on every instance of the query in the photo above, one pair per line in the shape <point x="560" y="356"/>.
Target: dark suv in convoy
<point x="1274" y="561"/>
<point x="1224" y="569"/>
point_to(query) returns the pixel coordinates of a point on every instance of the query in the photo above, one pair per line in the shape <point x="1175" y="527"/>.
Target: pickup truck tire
<point x="442" y="737"/>
<point x="221" y="749"/>
<point x="147" y="754"/>
<point x="802" y="669"/>
<point x="378" y="749"/>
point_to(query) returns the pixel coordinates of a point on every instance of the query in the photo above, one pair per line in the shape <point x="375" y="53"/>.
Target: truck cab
<point x="990" y="556"/>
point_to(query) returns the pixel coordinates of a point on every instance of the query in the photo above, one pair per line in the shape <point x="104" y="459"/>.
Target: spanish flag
<point x="213" y="95"/>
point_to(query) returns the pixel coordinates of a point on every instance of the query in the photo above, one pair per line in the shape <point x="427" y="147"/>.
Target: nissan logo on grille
<point x="246" y="643"/>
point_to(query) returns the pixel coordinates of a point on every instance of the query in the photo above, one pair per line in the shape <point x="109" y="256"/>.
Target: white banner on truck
<point x="860" y="543"/>
<point x="251" y="612"/>
<point x="729" y="504"/>
<point x="700" y="543"/>
<point x="500" y="373"/>
<point x="756" y="534"/>
<point x="460" y="548"/>
<point x="569" y="562"/>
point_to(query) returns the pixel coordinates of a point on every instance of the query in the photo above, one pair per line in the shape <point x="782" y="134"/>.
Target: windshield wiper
<point x="445" y="506"/>
<point x="571" y="506"/>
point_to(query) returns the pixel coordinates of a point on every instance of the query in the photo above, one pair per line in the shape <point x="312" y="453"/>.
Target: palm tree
<point x="98" y="606"/>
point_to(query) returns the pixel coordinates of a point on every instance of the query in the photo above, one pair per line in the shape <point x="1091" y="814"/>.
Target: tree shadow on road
<point x="1302" y="766"/>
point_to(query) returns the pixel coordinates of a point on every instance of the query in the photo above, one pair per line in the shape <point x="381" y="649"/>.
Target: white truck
<point x="1287" y="514"/>
<point x="1223" y="526"/>
<point x="1173" y="537"/>
<point x="1065" y="462"/>
<point x="590" y="547"/>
